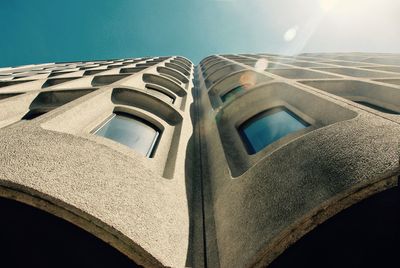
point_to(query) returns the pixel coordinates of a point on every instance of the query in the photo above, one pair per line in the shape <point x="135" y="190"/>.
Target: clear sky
<point x="37" y="31"/>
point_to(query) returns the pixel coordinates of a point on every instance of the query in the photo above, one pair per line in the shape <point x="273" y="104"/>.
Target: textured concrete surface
<point x="99" y="184"/>
<point x="138" y="205"/>
<point x="201" y="200"/>
<point x="287" y="189"/>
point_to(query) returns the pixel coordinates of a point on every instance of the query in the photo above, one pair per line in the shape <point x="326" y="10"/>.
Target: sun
<point x="341" y="5"/>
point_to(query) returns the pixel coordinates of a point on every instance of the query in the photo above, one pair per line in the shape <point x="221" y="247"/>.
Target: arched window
<point x="268" y="127"/>
<point x="131" y="131"/>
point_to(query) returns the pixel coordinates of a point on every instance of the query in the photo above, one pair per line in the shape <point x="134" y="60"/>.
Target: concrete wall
<point x="201" y="199"/>
<point x="138" y="205"/>
<point x="260" y="204"/>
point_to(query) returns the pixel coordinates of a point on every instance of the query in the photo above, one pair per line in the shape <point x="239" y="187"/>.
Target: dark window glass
<point x="231" y="93"/>
<point x="376" y="107"/>
<point x="268" y="127"/>
<point x="132" y="132"/>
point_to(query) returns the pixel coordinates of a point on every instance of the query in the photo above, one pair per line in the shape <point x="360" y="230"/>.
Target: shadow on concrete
<point x="366" y="234"/>
<point x="195" y="255"/>
<point x="31" y="237"/>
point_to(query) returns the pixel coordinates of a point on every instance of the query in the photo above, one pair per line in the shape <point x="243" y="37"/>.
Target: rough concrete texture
<point x="291" y="186"/>
<point x="115" y="191"/>
<point x="201" y="200"/>
<point x="54" y="163"/>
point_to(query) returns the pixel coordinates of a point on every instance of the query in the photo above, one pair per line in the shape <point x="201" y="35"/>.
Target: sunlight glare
<point x="291" y="33"/>
<point x="261" y="65"/>
<point x="327" y="5"/>
<point x="248" y="79"/>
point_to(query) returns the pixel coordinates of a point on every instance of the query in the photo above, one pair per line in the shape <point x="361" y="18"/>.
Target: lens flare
<point x="291" y="33"/>
<point x="261" y="65"/>
<point x="248" y="80"/>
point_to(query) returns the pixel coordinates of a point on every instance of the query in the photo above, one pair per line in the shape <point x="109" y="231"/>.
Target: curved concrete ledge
<point x="209" y="63"/>
<point x="164" y="82"/>
<point x="85" y="221"/>
<point x="102" y="80"/>
<point x="356" y="72"/>
<point x="287" y="194"/>
<point x="52" y="99"/>
<point x="207" y="59"/>
<point x="94" y="72"/>
<point x="131" y="70"/>
<point x="383" y="96"/>
<point x="8" y="95"/>
<point x="161" y="89"/>
<point x="297" y="73"/>
<point x="88" y="184"/>
<point x="395" y="82"/>
<point x="139" y="99"/>
<point x="317" y="216"/>
<point x="171" y="77"/>
<point x="172" y="72"/>
<point x="181" y="63"/>
<point x="213" y="66"/>
<point x="13" y="82"/>
<point x="222" y="72"/>
<point x="247" y="79"/>
<point x="177" y="67"/>
<point x="185" y="60"/>
<point x="238" y="78"/>
<point x="56" y="81"/>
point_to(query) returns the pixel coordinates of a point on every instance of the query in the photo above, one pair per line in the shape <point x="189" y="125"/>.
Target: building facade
<point x="223" y="164"/>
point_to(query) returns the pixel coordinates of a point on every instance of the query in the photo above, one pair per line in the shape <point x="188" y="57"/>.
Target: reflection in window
<point x="268" y="127"/>
<point x="131" y="131"/>
<point x="376" y="107"/>
<point x="232" y="93"/>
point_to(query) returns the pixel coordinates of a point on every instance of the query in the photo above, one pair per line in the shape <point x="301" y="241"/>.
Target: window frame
<point x="153" y="147"/>
<point x="245" y="140"/>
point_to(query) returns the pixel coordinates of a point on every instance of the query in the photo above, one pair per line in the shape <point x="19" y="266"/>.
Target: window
<point x="376" y="107"/>
<point x="131" y="131"/>
<point x="232" y="93"/>
<point x="268" y="127"/>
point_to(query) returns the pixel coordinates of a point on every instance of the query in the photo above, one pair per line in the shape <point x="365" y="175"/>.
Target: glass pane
<point x="269" y="126"/>
<point x="131" y="132"/>
<point x="231" y="94"/>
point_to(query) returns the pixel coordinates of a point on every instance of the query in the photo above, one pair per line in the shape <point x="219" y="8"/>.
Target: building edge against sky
<point x="225" y="164"/>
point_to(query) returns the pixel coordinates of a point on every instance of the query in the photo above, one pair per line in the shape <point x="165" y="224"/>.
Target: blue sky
<point x="53" y="30"/>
